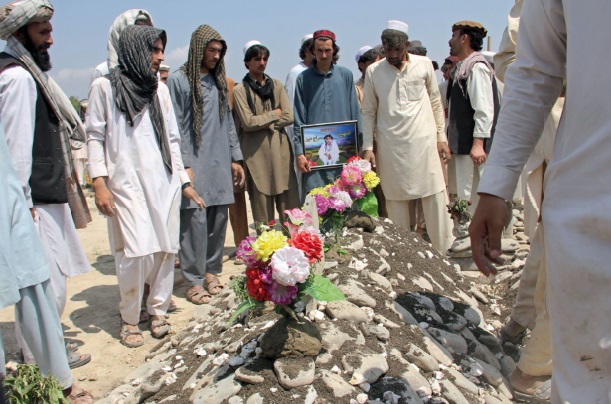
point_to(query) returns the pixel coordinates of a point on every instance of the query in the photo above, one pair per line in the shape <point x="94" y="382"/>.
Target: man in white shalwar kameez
<point x="137" y="172"/>
<point x="41" y="129"/>
<point x="401" y="104"/>
<point x="575" y="211"/>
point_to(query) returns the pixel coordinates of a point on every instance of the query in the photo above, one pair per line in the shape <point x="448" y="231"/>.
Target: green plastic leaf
<point x="245" y="305"/>
<point x="368" y="204"/>
<point x="322" y="289"/>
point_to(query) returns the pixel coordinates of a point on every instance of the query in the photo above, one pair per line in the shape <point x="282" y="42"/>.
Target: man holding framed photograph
<point x="324" y="93"/>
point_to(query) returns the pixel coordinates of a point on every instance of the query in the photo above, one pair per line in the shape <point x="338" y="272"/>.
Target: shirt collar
<point x="330" y="72"/>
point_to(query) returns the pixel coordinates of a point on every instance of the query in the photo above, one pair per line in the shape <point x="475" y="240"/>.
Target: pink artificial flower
<point x="299" y="217"/>
<point x="363" y="165"/>
<point x="357" y="191"/>
<point x="344" y="197"/>
<point x="246" y="253"/>
<point x="337" y="204"/>
<point x="351" y="175"/>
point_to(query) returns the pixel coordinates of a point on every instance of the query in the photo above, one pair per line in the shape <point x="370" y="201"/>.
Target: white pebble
<point x="409" y="266"/>
<point x="179" y="364"/>
<point x="136" y="382"/>
<point x="295" y="396"/>
<point x="420" y="253"/>
<point x="200" y="352"/>
<point x="436" y="387"/>
<point x="273" y="389"/>
<point x="336" y="369"/>
<point x="476" y="369"/>
<point x="166" y="368"/>
<point x="219" y="360"/>
<point x="365" y="387"/>
<point x="178" y="357"/>
<point x="357" y="379"/>
<point x="438" y="375"/>
<point x="430" y="254"/>
<point x="267" y="325"/>
<point x="423" y="325"/>
<point x="236" y="361"/>
<point x="362" y="398"/>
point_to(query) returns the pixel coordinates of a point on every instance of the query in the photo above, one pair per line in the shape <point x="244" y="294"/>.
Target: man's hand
<point x="478" y="155"/>
<point x="189" y="192"/>
<point x="103" y="197"/>
<point x="444" y="151"/>
<point x="369" y="156"/>
<point x="485" y="231"/>
<point x="303" y="164"/>
<point x="191" y="174"/>
<point x="238" y="174"/>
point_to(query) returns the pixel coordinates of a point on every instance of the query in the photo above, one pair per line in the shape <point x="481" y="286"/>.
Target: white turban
<point x="118" y="26"/>
<point x="19" y="13"/>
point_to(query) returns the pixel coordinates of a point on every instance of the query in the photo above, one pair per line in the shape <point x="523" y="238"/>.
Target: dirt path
<point x="91" y="317"/>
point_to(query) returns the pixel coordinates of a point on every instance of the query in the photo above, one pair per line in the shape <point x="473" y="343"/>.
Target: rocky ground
<point x="415" y="328"/>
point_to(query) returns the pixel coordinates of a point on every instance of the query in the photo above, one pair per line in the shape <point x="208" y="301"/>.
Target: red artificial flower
<point x="309" y="243"/>
<point x="256" y="286"/>
<point x="353" y="158"/>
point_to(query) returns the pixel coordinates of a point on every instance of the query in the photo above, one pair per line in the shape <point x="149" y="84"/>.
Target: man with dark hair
<point x="41" y="129"/>
<point x="408" y="124"/>
<point x="211" y="154"/>
<point x="416" y="48"/>
<point x="137" y="172"/>
<point x="324" y="93"/>
<point x="263" y="111"/>
<point x="473" y="104"/>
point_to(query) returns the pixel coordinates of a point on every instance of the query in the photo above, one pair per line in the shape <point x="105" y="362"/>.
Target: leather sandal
<point x="198" y="295"/>
<point x="541" y="394"/>
<point x="126" y="333"/>
<point x="214" y="286"/>
<point x="76" y="360"/>
<point x="160" y="327"/>
<point x="79" y="396"/>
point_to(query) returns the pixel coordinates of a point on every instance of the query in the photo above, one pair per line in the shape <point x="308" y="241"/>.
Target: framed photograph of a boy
<point x="328" y="145"/>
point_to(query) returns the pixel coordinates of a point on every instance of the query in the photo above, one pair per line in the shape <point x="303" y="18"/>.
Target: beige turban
<point x="19" y="13"/>
<point x="124" y="20"/>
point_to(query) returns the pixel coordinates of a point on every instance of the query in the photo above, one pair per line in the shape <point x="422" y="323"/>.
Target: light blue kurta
<point x="22" y="261"/>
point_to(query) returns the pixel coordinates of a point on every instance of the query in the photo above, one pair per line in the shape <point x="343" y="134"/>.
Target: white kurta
<point x="404" y="109"/>
<point x="146" y="195"/>
<point x="577" y="197"/>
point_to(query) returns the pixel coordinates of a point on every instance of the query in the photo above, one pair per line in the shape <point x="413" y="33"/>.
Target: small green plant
<point x="459" y="210"/>
<point x="26" y="385"/>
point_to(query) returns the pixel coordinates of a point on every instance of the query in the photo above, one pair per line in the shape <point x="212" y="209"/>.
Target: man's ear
<point x="19" y="35"/>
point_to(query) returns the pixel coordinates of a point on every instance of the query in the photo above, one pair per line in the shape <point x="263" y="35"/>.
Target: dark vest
<point x="48" y="180"/>
<point x="461" y="121"/>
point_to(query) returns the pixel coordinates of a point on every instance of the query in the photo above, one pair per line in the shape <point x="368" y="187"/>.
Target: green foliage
<point x="368" y="204"/>
<point x="75" y="103"/>
<point x="321" y="288"/>
<point x="459" y="210"/>
<point x="27" y="385"/>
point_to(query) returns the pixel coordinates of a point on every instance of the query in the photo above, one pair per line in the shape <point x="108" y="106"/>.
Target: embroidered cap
<point x="324" y="33"/>
<point x="397" y="26"/>
<point x="361" y="52"/>
<point x="250" y="44"/>
<point x="471" y="25"/>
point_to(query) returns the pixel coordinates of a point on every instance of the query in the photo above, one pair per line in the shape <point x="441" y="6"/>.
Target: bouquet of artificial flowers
<point x="278" y="268"/>
<point x="359" y="180"/>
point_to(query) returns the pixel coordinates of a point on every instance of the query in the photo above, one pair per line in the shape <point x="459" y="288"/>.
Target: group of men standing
<point x="164" y="161"/>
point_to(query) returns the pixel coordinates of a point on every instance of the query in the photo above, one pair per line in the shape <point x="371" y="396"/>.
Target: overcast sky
<point x="80" y="29"/>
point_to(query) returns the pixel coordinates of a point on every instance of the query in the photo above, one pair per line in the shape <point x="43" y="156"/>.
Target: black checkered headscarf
<point x="203" y="35"/>
<point x="134" y="84"/>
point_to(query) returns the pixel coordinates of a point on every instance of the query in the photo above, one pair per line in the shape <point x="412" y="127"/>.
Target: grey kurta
<point x="211" y="162"/>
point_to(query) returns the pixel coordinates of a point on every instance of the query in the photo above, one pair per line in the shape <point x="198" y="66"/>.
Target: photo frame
<point x="329" y="145"/>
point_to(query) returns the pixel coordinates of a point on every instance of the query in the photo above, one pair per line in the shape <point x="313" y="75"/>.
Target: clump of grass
<point x="26" y="385"/>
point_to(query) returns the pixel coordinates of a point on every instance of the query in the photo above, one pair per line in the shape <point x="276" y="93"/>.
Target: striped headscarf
<point x="203" y="35"/>
<point x="16" y="14"/>
<point x="134" y="84"/>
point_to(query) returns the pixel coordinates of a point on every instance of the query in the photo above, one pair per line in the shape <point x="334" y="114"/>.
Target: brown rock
<point x="291" y="338"/>
<point x="358" y="219"/>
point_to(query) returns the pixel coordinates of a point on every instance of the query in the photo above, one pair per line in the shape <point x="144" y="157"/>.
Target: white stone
<point x="452" y="394"/>
<point x="236" y="361"/>
<point x="336" y="384"/>
<point x="362" y="398"/>
<point x="304" y="376"/>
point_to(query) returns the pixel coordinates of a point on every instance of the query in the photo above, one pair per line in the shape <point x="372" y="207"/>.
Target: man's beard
<point x="40" y="54"/>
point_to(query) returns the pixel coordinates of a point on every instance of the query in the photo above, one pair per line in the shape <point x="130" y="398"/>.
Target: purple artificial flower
<point x="322" y="204"/>
<point x="337" y="204"/>
<point x="280" y="294"/>
<point x="246" y="253"/>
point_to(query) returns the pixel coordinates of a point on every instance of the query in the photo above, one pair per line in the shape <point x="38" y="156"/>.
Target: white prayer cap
<point x="361" y="52"/>
<point x="489" y="56"/>
<point x="305" y="38"/>
<point x="249" y="44"/>
<point x="164" y="68"/>
<point x="397" y="25"/>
